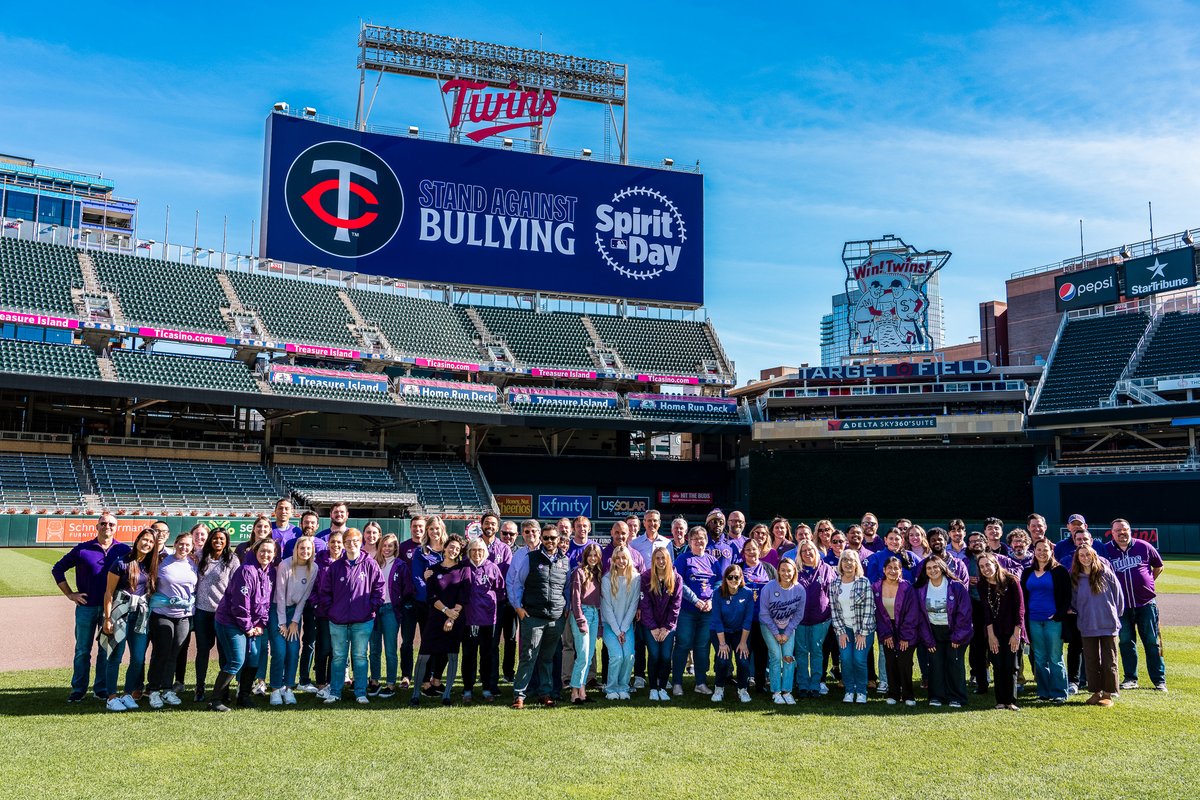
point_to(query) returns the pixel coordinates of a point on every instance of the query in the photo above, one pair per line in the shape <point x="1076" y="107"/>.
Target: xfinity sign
<point x="1086" y="288"/>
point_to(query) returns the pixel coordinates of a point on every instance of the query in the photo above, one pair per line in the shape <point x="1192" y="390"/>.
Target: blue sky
<point x="988" y="132"/>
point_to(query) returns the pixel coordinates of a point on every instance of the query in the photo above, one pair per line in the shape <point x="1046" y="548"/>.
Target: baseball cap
<point x="1076" y="518"/>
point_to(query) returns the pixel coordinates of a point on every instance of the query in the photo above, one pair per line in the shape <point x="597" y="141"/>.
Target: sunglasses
<point x="547" y="538"/>
<point x="108" y="524"/>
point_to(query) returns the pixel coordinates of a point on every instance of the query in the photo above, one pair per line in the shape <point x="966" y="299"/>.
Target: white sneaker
<point x="935" y="703"/>
<point x="703" y="689"/>
<point x="156" y="700"/>
<point x="276" y="697"/>
<point x="128" y="701"/>
<point x="307" y="687"/>
<point x="288" y="697"/>
<point x="654" y="695"/>
<point x="848" y="697"/>
<point x="860" y="698"/>
<point x="171" y="698"/>
<point x="891" y="701"/>
<point x="1131" y="684"/>
<point x="114" y="704"/>
<point x="362" y="700"/>
<point x="777" y="699"/>
<point x="718" y="694"/>
<point x="910" y="703"/>
<point x="743" y="695"/>
<point x="881" y="688"/>
<point x="259" y="688"/>
<point x="677" y="690"/>
<point x="788" y="699"/>
<point x="663" y="696"/>
<point x="623" y="695"/>
<point x="612" y="696"/>
<point x="323" y="694"/>
<point x="639" y="683"/>
<point x="955" y="704"/>
<point x="1072" y="689"/>
<point x="824" y="690"/>
<point x="333" y="698"/>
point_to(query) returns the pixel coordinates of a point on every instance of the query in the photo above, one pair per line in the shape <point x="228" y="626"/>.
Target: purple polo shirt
<point x="1134" y="568"/>
<point x="90" y="562"/>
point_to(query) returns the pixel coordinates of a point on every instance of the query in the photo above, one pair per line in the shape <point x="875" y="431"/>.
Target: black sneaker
<point x="217" y="705"/>
<point x="386" y="693"/>
<point x="76" y="697"/>
<point x="372" y="690"/>
<point x="246" y="701"/>
<point x="199" y="695"/>
<point x="432" y="691"/>
<point x="102" y="696"/>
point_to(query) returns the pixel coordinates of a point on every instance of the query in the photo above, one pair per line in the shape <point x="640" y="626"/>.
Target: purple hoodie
<point x="351" y="593"/>
<point x="246" y="603"/>
<point x="487" y="587"/>
<point x="907" y="624"/>
<point x="660" y="610"/>
<point x="958" y="608"/>
<point x="816" y="582"/>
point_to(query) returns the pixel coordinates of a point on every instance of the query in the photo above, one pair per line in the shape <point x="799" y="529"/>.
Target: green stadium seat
<point x="35" y="276"/>
<point x="38" y="358"/>
<point x="163" y="294"/>
<point x="221" y="374"/>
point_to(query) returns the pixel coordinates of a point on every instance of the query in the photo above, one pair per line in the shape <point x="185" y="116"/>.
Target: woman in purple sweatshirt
<point x="241" y="620"/>
<point x="351" y="593"/>
<point x="662" y="594"/>
<point x="448" y="587"/>
<point x="897" y="623"/>
<point x="944" y="608"/>
<point x="780" y="609"/>
<point x="323" y="647"/>
<point x="1004" y="615"/>
<point x="1099" y="604"/>
<point x="479" y="648"/>
<point x="816" y="577"/>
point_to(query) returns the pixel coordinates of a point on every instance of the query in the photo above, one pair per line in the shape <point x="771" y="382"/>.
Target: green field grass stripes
<point x="25" y="571"/>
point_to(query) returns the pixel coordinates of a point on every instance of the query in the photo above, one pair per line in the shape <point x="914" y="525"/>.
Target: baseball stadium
<point x="449" y="349"/>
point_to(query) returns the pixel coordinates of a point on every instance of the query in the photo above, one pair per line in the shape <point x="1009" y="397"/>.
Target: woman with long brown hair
<point x="1004" y="615"/>
<point x="131" y="580"/>
<point x="584" y="616"/>
<point x="1099" y="604"/>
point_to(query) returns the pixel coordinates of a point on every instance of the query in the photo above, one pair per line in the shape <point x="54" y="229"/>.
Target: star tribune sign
<point x="1161" y="272"/>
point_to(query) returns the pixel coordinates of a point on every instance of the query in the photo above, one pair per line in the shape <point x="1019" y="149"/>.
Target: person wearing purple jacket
<point x="816" y="577"/>
<point x="480" y="647"/>
<point x="938" y="541"/>
<point x="241" y="620"/>
<point x="658" y="613"/>
<point x="323" y="655"/>
<point x="90" y="560"/>
<point x="1137" y="565"/>
<point x="698" y="571"/>
<point x="1004" y="616"/>
<point x="781" y="606"/>
<point x="1099" y="603"/>
<point x="896" y="626"/>
<point x="944" y="614"/>
<point x="351" y="594"/>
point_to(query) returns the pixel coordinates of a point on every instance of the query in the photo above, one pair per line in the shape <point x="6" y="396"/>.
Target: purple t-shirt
<point x="175" y="592"/>
<point x="1134" y="568"/>
<point x="120" y="568"/>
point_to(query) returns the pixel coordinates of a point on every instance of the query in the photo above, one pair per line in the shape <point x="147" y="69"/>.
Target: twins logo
<point x="343" y="199"/>
<point x="640" y="233"/>
<point x="1066" y="292"/>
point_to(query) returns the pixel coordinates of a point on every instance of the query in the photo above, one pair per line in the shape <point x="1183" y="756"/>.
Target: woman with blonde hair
<point x="1099" y="604"/>
<point x="852" y="607"/>
<point x="384" y="636"/>
<point x="620" y="592"/>
<point x="294" y="582"/>
<point x="662" y="596"/>
<point x="780" y="609"/>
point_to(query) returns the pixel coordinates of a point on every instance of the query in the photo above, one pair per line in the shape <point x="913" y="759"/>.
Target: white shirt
<point x="936" y="598"/>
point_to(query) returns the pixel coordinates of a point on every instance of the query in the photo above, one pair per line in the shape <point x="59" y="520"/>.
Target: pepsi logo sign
<point x="1066" y="292"/>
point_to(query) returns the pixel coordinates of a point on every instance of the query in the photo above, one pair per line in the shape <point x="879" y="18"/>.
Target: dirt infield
<point x="39" y="632"/>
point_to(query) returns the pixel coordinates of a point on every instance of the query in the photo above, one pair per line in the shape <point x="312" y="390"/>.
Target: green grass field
<point x="1144" y="747"/>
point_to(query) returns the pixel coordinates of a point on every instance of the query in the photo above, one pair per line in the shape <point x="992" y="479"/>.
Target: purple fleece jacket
<point x="351" y="592"/>
<point x="247" y="600"/>
<point x="958" y="607"/>
<point x="907" y="624"/>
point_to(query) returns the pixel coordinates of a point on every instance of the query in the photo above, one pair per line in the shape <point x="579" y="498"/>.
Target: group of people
<point x="777" y="609"/>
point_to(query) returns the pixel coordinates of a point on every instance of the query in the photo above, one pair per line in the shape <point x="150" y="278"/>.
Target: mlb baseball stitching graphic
<point x="647" y="274"/>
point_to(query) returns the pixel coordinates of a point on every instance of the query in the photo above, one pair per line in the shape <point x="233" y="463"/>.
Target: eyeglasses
<point x="837" y="541"/>
<point x="869" y="524"/>
<point x="107" y="524"/>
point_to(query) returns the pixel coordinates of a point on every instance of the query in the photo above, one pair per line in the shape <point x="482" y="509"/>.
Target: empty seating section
<point x="37" y="358"/>
<point x="214" y="374"/>
<point x="416" y="326"/>
<point x="314" y="484"/>
<point x="444" y="486"/>
<point x="37" y="480"/>
<point x="163" y="293"/>
<point x="686" y="416"/>
<point x="554" y="339"/>
<point x="295" y="309"/>
<point x="333" y="393"/>
<point x="656" y="345"/>
<point x="1131" y="457"/>
<point x="38" y="277"/>
<point x="1091" y="355"/>
<point x="168" y="483"/>
<point x="1174" y="349"/>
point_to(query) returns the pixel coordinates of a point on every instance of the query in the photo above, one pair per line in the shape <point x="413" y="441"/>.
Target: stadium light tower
<point x="396" y="51"/>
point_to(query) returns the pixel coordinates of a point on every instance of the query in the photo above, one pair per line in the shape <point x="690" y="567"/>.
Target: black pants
<point x="204" y="623"/>
<point x="639" y="651"/>
<point x="479" y="648"/>
<point x="323" y="654"/>
<point x="830" y="652"/>
<point x="980" y="655"/>
<point x="167" y="634"/>
<point x="308" y="643"/>
<point x="182" y="658"/>
<point x="505" y="633"/>
<point x="947" y="678"/>
<point x="899" y="665"/>
<point x="1075" y="671"/>
<point x="871" y="674"/>
<point x="1004" y="672"/>
<point x="758" y="658"/>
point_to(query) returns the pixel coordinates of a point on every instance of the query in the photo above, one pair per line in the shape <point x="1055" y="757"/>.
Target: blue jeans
<point x="355" y="636"/>
<point x="854" y="663"/>
<point x="240" y="650"/>
<point x="723" y="666"/>
<point x="285" y="654"/>
<point x="1141" y="623"/>
<point x="810" y="640"/>
<point x="585" y="645"/>
<point x="87" y="623"/>
<point x="1049" y="669"/>
<point x="692" y="636"/>
<point x="266" y="648"/>
<point x="135" y="673"/>
<point x="383" y="643"/>
<point x="779" y="672"/>
<point x="620" y="659"/>
<point x="658" y="660"/>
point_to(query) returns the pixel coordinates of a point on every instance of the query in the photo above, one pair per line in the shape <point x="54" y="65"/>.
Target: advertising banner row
<point x="1136" y="277"/>
<point x="549" y="507"/>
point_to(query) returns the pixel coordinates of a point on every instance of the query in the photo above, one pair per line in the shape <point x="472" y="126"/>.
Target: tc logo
<point x="344" y="199"/>
<point x="1066" y="292"/>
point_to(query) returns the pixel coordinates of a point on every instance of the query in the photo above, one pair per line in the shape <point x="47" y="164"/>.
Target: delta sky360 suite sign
<point x="464" y="215"/>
